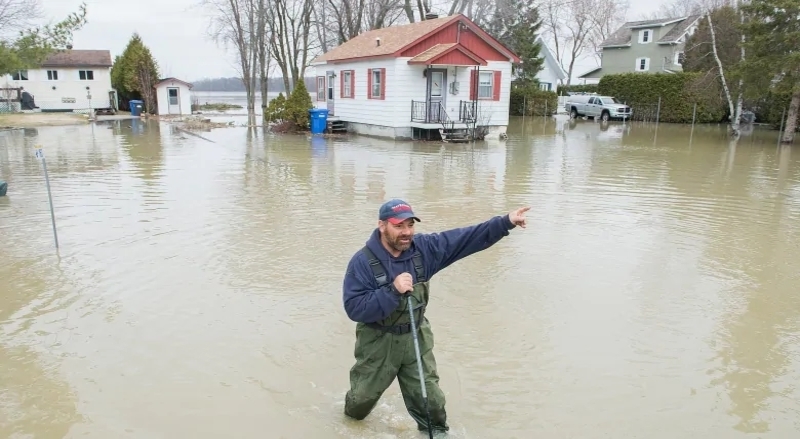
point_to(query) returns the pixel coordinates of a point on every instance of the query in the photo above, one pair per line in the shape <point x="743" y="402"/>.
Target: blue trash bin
<point x="319" y="120"/>
<point x="136" y="107"/>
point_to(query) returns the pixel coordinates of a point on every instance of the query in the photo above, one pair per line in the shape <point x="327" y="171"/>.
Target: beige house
<point x="650" y="46"/>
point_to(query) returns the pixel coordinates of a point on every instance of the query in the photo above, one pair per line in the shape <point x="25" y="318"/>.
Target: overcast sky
<point x="176" y="32"/>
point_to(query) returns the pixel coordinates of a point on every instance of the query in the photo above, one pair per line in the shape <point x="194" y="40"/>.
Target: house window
<point x="679" y="58"/>
<point x="347" y="90"/>
<point x="546" y="86"/>
<point x="19" y="75"/>
<point x="645" y="36"/>
<point x="485" y="83"/>
<point x="52" y="75"/>
<point x="642" y="64"/>
<point x="376" y="84"/>
<point x="320" y="88"/>
<point x="86" y="75"/>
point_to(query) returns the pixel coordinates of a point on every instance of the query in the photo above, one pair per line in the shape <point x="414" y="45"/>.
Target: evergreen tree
<point x="773" y="59"/>
<point x="516" y="24"/>
<point x="135" y="72"/>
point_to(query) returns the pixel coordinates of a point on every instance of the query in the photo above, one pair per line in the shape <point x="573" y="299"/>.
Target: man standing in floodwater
<point x="396" y="262"/>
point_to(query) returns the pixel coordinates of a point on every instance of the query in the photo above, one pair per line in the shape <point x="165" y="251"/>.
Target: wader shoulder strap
<point x="380" y="273"/>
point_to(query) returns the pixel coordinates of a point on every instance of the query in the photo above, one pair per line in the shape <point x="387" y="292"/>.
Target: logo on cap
<point x="401" y="208"/>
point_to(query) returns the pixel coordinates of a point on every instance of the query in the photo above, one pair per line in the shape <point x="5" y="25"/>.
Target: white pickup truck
<point x="592" y="106"/>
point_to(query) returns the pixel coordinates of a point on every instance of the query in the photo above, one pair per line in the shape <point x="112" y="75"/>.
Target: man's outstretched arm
<point x="451" y="245"/>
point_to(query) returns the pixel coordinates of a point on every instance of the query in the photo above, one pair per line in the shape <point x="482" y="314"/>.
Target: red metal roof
<point x="395" y="40"/>
<point x="448" y="54"/>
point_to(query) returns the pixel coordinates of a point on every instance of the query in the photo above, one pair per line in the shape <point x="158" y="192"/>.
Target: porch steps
<point x="337" y="126"/>
<point x="454" y="135"/>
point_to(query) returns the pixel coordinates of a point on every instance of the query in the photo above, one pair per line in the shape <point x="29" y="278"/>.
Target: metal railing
<point x="428" y="112"/>
<point x="468" y="111"/>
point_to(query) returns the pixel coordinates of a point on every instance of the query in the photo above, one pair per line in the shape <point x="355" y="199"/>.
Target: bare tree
<point x="234" y="24"/>
<point x="683" y="8"/>
<point x="290" y="41"/>
<point x="605" y="21"/>
<point x="571" y="25"/>
<point x="18" y="15"/>
<point x="735" y="108"/>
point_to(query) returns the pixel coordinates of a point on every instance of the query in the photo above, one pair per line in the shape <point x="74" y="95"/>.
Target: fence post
<point x="780" y="131"/>
<point x="658" y="112"/>
<point x="694" y="114"/>
<point x="39" y="153"/>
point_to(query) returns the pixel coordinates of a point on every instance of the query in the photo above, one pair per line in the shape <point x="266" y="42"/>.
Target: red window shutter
<point x="352" y="83"/>
<point x="369" y="83"/>
<point x="341" y="84"/>
<point x="496" y="85"/>
<point x="383" y="83"/>
<point x="473" y="86"/>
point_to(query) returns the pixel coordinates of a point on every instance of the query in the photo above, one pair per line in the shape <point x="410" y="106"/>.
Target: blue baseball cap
<point x="396" y="211"/>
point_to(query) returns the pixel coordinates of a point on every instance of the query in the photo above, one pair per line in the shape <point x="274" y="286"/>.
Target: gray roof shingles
<point x="622" y="36"/>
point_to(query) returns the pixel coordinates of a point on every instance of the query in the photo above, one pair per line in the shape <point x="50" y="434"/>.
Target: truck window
<point x="591" y="101"/>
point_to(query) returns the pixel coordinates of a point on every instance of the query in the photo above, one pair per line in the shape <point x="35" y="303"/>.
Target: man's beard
<point x="399" y="246"/>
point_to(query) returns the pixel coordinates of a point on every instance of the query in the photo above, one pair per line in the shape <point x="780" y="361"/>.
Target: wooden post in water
<point x="694" y="114"/>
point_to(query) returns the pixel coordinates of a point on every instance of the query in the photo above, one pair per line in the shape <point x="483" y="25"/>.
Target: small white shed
<point x="173" y="96"/>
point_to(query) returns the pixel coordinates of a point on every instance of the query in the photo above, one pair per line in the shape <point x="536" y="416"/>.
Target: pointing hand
<point x="517" y="217"/>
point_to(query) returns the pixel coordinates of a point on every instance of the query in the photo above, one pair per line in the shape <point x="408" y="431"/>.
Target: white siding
<point x="184" y="96"/>
<point x="548" y="75"/>
<point x="68" y="87"/>
<point x="360" y="109"/>
<point x="405" y="83"/>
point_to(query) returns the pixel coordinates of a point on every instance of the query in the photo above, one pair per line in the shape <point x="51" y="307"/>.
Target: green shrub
<point x="276" y="109"/>
<point x="297" y="106"/>
<point x="679" y="92"/>
<point x="538" y="102"/>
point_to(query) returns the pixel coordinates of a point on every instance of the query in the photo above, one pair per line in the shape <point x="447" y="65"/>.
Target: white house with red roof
<point x="419" y="80"/>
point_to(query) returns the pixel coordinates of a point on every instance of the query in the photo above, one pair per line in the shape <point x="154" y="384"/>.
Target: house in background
<point x="552" y="73"/>
<point x="418" y="79"/>
<point x="70" y="81"/>
<point x="173" y="97"/>
<point x="651" y="46"/>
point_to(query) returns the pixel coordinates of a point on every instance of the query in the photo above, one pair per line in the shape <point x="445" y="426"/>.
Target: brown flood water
<point x="197" y="290"/>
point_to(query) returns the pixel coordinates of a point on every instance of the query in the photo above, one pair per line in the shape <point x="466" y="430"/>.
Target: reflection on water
<point x="197" y="290"/>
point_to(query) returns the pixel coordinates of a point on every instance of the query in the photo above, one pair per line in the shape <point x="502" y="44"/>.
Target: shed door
<point x="331" y="94"/>
<point x="174" y="100"/>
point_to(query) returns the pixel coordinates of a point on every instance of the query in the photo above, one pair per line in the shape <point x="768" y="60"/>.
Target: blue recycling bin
<point x="319" y="120"/>
<point x="136" y="107"/>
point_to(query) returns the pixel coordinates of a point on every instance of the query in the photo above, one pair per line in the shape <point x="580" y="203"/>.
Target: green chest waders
<point x="385" y="350"/>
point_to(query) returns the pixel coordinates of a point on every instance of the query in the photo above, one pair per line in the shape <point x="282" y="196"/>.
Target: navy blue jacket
<point x="365" y="302"/>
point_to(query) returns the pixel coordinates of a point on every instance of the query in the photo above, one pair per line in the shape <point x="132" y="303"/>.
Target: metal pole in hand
<point x="419" y="367"/>
<point x="40" y="155"/>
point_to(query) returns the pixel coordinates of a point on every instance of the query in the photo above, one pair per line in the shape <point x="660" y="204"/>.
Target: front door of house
<point x="331" y="82"/>
<point x="174" y="100"/>
<point x="437" y="80"/>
